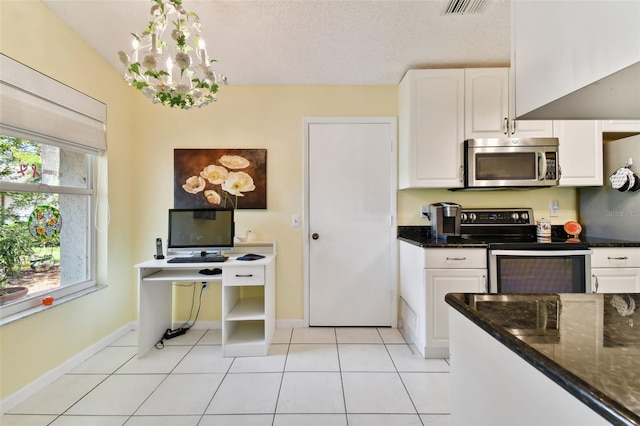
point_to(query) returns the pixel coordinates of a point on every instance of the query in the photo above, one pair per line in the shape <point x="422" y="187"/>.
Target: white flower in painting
<point x="194" y="185"/>
<point x="124" y="58"/>
<point x="150" y="62"/>
<point x="212" y="196"/>
<point x="234" y="162"/>
<point x="183" y="60"/>
<point x="237" y="183"/>
<point x="214" y="174"/>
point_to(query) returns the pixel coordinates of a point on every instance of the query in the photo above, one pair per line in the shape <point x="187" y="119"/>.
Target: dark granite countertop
<point x="421" y="236"/>
<point x="590" y="347"/>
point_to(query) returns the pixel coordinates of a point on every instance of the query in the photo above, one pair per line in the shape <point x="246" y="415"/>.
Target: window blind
<point x="39" y="108"/>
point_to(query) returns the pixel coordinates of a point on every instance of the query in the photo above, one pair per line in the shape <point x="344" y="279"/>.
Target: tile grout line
<point x="402" y="381"/>
<point x="284" y="368"/>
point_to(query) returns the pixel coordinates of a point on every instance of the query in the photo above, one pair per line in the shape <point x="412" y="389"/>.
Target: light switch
<point x="295" y="221"/>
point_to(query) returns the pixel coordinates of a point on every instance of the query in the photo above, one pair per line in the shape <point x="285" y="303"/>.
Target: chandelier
<point x="176" y="70"/>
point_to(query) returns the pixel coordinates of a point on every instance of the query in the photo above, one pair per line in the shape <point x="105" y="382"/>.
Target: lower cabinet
<point x="440" y="282"/>
<point x="426" y="276"/>
<point x="615" y="270"/>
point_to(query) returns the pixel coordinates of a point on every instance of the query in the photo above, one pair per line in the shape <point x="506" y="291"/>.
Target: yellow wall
<point x="30" y="347"/>
<point x="268" y="117"/>
<point x="410" y="200"/>
<point x="140" y="142"/>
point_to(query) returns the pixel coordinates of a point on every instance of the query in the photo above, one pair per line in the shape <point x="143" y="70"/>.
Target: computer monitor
<point x="200" y="231"/>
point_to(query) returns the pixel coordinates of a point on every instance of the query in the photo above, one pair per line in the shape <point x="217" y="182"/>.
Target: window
<point x="46" y="238"/>
<point x="50" y="135"/>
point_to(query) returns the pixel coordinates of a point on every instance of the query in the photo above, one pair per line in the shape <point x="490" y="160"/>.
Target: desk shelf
<point x="247" y="310"/>
<point x="181" y="275"/>
<point x="245" y="338"/>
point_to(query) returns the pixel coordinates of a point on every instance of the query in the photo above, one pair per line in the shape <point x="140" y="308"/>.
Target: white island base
<point x="492" y="385"/>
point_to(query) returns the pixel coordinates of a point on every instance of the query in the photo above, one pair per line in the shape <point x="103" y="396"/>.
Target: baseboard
<point x="290" y="323"/>
<point x="52" y="375"/>
<point x="217" y="325"/>
<point x="201" y="325"/>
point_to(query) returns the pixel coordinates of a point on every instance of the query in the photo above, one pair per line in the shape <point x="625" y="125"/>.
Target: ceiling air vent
<point x="462" y="7"/>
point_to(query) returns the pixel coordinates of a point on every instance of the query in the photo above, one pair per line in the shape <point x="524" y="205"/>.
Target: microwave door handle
<point x="542" y="158"/>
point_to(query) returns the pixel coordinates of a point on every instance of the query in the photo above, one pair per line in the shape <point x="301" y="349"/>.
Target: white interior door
<point x="351" y="222"/>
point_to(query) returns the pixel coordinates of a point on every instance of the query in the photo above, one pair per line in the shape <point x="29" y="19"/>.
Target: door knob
<point x="315" y="236"/>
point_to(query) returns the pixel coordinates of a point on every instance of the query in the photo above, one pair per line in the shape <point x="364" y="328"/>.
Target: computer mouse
<point x="214" y="271"/>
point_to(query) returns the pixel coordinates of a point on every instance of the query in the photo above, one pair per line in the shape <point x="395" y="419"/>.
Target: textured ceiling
<point x="311" y="42"/>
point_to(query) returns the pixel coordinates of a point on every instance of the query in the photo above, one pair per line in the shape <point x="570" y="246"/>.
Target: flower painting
<point x="210" y="178"/>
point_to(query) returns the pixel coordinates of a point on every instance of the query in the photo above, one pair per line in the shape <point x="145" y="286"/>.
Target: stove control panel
<point x="497" y="216"/>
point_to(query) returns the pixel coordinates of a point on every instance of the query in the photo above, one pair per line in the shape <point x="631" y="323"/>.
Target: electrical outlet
<point x="554" y="208"/>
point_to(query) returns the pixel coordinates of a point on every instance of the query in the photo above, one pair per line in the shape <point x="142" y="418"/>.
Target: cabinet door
<point x="488" y="108"/>
<point x="615" y="280"/>
<point x="486" y="103"/>
<point x="580" y="152"/>
<point x="439" y="283"/>
<point x="431" y="129"/>
<point x="621" y="126"/>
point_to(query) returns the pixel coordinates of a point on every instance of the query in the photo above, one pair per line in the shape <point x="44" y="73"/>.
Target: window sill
<point x="40" y="308"/>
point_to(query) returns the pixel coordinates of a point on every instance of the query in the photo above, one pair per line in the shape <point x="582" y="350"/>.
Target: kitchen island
<point x="545" y="359"/>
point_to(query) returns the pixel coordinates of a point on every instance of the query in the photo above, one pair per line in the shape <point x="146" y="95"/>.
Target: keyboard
<point x="197" y="259"/>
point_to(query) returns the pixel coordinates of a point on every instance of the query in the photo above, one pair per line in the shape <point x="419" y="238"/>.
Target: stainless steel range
<point x="517" y="262"/>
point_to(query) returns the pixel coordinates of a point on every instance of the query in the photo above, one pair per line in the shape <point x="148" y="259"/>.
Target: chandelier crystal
<point x="173" y="70"/>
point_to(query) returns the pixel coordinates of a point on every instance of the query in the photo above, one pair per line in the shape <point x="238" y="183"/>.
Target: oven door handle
<point x="541" y="252"/>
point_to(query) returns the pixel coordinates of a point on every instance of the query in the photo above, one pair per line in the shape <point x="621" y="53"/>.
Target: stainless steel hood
<point x="576" y="60"/>
<point x="614" y="97"/>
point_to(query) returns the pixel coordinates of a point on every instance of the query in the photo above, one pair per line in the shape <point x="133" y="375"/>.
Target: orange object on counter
<point x="47" y="300"/>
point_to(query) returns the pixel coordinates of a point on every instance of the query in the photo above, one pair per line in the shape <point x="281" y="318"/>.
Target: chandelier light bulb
<point x="188" y="80"/>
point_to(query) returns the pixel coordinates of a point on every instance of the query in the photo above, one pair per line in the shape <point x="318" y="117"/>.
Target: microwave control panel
<point x="552" y="166"/>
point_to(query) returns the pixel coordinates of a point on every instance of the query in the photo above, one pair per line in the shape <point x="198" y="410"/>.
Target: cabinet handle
<point x="513" y="127"/>
<point x="486" y="284"/>
<point x="244" y="275"/>
<point x="617" y="258"/>
<point x="595" y="283"/>
<point x="461" y="174"/>
<point x="505" y="126"/>
<point x="456" y="258"/>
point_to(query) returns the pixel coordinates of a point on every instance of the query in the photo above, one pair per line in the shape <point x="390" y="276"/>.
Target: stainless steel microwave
<point x="512" y="162"/>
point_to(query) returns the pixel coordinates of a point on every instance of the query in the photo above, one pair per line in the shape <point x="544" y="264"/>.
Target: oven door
<point x="511" y="166"/>
<point x="539" y="271"/>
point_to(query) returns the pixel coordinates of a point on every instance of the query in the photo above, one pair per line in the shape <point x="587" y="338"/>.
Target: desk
<point x="248" y="323"/>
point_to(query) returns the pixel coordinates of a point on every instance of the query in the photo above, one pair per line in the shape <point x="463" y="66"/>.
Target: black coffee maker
<point x="445" y="219"/>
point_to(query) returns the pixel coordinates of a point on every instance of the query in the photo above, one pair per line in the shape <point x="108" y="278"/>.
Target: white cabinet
<point x="580" y="152"/>
<point x="431" y="132"/>
<point x="248" y="309"/>
<point x="426" y="276"/>
<point x="624" y="126"/>
<point x="488" y="107"/>
<point x="615" y="270"/>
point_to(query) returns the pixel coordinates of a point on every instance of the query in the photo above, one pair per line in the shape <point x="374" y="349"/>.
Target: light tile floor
<point x="312" y="376"/>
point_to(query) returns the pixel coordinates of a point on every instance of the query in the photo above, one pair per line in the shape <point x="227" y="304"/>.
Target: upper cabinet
<point x="623" y="126"/>
<point x="580" y="152"/>
<point x="431" y="128"/>
<point x="488" y="107"/>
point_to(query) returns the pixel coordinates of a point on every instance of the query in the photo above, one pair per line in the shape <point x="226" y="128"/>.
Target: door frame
<point x="393" y="197"/>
